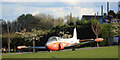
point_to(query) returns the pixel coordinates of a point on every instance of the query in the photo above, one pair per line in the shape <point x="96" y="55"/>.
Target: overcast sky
<point x="11" y="10"/>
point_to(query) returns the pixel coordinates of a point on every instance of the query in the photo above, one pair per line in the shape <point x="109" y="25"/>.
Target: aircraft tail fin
<point x="75" y="34"/>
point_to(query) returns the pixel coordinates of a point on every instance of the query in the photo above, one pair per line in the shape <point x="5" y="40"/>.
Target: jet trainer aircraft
<point x="56" y="43"/>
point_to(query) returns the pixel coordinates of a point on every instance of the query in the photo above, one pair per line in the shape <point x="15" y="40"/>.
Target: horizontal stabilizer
<point x="87" y="40"/>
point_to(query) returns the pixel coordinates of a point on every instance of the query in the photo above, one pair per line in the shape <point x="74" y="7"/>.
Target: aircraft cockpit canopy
<point x="54" y="38"/>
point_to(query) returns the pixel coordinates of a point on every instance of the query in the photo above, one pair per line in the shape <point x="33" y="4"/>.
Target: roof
<point x="91" y="16"/>
<point x="88" y="17"/>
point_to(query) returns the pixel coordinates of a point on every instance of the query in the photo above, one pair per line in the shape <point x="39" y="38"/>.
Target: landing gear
<point x="73" y="48"/>
<point x="49" y="51"/>
<point x="59" y="47"/>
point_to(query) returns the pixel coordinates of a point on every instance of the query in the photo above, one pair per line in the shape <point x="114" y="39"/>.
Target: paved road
<point x="47" y="51"/>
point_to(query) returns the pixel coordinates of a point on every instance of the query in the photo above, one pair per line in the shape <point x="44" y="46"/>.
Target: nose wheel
<point x="73" y="48"/>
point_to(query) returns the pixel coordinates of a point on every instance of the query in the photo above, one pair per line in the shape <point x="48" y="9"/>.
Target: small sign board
<point x="115" y="39"/>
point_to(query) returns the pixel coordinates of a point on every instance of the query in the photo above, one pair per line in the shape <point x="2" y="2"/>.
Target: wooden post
<point x="97" y="44"/>
<point x="97" y="41"/>
<point x="33" y="46"/>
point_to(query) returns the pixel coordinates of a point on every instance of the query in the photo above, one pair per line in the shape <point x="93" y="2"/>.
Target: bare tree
<point x="96" y="29"/>
<point x="58" y="21"/>
<point x="8" y="36"/>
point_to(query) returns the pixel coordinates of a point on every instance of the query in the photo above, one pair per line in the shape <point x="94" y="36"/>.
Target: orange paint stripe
<point x="60" y="42"/>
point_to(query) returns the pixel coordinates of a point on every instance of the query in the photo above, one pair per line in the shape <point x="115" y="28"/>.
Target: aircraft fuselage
<point x="58" y="44"/>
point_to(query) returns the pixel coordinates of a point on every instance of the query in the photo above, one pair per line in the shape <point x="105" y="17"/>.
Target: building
<point x="103" y="19"/>
<point x="2" y="21"/>
<point x="88" y="17"/>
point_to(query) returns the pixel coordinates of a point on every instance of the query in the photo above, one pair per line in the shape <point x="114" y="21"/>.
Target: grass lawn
<point x="103" y="52"/>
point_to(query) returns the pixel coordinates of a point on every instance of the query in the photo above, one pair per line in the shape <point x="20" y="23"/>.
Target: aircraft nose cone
<point x="53" y="46"/>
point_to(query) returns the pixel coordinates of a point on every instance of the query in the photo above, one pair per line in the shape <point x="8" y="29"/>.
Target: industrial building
<point x="103" y="19"/>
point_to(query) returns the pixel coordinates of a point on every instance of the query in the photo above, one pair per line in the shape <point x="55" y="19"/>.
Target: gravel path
<point x="47" y="51"/>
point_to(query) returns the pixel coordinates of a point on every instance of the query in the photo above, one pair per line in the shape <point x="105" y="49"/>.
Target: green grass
<point x="104" y="52"/>
<point x="0" y="55"/>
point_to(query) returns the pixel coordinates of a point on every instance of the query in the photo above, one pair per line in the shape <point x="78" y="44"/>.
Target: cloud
<point x="71" y="2"/>
<point x="36" y="12"/>
<point x="63" y="11"/>
<point x="1" y="10"/>
<point x="28" y="0"/>
<point x="57" y="12"/>
<point x="16" y="11"/>
<point x="59" y="0"/>
<point x="12" y="11"/>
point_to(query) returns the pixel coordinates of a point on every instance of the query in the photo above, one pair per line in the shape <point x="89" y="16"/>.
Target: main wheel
<point x="59" y="47"/>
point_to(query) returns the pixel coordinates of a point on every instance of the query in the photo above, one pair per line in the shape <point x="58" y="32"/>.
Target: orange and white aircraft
<point x="56" y="43"/>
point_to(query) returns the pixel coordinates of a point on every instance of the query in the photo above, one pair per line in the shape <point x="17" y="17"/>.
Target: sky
<point x="11" y="10"/>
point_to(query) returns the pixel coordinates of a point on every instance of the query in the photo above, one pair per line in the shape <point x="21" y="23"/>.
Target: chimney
<point x="97" y="13"/>
<point x="119" y="6"/>
<point x="101" y="10"/>
<point x="107" y="7"/>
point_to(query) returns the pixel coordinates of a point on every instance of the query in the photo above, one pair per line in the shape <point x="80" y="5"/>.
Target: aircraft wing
<point x="37" y="47"/>
<point x="24" y="47"/>
<point x="81" y="42"/>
